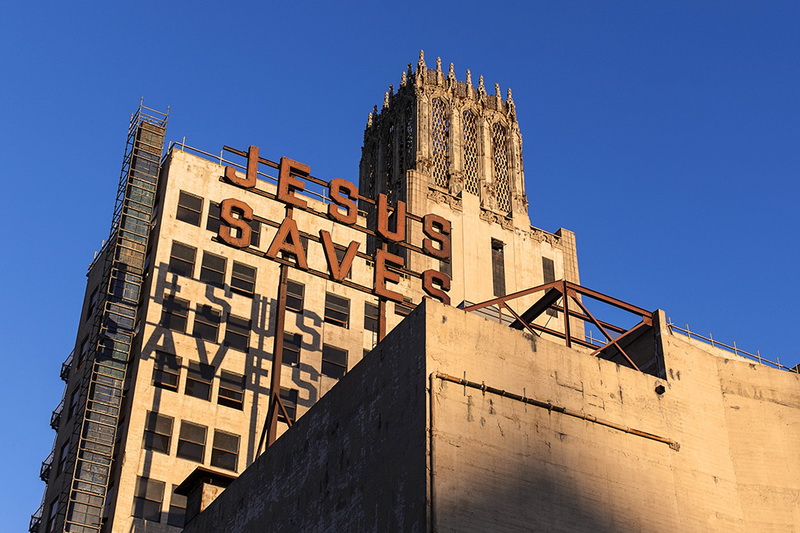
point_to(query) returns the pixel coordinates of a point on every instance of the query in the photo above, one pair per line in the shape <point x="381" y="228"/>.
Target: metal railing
<point x="733" y="349"/>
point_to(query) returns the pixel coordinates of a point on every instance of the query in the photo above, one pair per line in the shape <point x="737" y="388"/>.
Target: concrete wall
<point x="355" y="462"/>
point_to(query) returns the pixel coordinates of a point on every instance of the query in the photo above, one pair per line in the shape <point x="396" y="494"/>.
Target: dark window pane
<point x="291" y="348"/>
<point x="231" y="390"/>
<point x="289" y="401"/>
<point x="189" y="208"/>
<point x="402" y="309"/>
<point x="337" y="310"/>
<point x="549" y="275"/>
<point x="212" y="270"/>
<point x="237" y="333"/>
<point x="334" y="361"/>
<point x="243" y="279"/>
<point x="498" y="269"/>
<point x="147" y="499"/>
<point x="181" y="260"/>
<point x="294" y="296"/>
<point x="206" y="323"/>
<point x="192" y="441"/>
<point x="212" y="222"/>
<point x="157" y="432"/>
<point x="166" y="371"/>
<point x="225" y="452"/>
<point x="177" y="509"/>
<point x="174" y="314"/>
<point x="370" y="317"/>
<point x="255" y="234"/>
<point x="198" y="380"/>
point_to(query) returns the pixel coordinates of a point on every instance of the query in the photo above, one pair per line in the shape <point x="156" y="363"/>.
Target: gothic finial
<point x="421" y="63"/>
<point x="508" y="96"/>
<point x="451" y="75"/>
<point x="369" y="120"/>
<point x="497" y="89"/>
<point x="438" y="64"/>
<point x="386" y="100"/>
<point x="469" y="78"/>
<point x="391" y="90"/>
<point x="481" y="87"/>
<point x="403" y="78"/>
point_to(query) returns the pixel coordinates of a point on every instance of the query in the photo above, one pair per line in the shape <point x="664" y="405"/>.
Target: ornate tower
<point x="447" y="141"/>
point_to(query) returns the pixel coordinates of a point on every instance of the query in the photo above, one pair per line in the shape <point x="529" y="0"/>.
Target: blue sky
<point x="665" y="134"/>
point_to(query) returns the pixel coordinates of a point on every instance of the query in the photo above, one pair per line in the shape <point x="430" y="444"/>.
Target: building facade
<point x="234" y="293"/>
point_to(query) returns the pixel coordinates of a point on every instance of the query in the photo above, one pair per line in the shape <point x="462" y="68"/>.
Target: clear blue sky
<point x="665" y="134"/>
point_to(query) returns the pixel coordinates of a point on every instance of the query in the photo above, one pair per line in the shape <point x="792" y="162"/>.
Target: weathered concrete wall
<point x="355" y="462"/>
<point x="502" y="465"/>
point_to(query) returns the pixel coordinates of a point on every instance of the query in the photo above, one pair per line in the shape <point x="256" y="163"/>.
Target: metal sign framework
<point x="571" y="292"/>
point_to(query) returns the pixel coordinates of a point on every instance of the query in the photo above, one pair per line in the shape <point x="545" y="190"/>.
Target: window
<point x="189" y="208"/>
<point x="92" y="303"/>
<point x="212" y="270"/>
<point x="402" y="309"/>
<point x="177" y="509"/>
<point x="51" y="516"/>
<point x="291" y="348"/>
<point x="549" y="275"/>
<point x="225" y="452"/>
<point x="73" y="402"/>
<point x="206" y="323"/>
<point x="446" y="267"/>
<point x="237" y="333"/>
<point x="181" y="259"/>
<point x="84" y="353"/>
<point x="370" y="317"/>
<point x="289" y="401"/>
<point x="334" y="361"/>
<point x="337" y="310"/>
<point x="198" y="380"/>
<point x="147" y="499"/>
<point x="157" y="432"/>
<point x="62" y="457"/>
<point x="294" y="296"/>
<point x="192" y="442"/>
<point x="167" y="371"/>
<point x="212" y="224"/>
<point x="243" y="279"/>
<point x="498" y="269"/>
<point x="174" y="314"/>
<point x="231" y="390"/>
<point x="340" y="253"/>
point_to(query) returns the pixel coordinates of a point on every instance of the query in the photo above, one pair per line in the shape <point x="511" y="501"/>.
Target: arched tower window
<point x="500" y="159"/>
<point x="470" y="128"/>
<point x="440" y="142"/>
<point x="409" y="138"/>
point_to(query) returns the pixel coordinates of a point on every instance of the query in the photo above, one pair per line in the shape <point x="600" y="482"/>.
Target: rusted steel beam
<point x="609" y="300"/>
<point x="519" y="319"/>
<point x="512" y="296"/>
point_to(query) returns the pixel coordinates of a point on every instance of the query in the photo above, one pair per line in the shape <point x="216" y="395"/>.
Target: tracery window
<point x="470" y="128"/>
<point x="440" y="142"/>
<point x="500" y="159"/>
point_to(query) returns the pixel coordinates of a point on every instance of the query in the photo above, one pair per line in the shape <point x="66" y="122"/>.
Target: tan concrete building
<point x="216" y="269"/>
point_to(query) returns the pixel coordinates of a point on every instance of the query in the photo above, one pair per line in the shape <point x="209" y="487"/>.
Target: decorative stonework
<point x="442" y="198"/>
<point x="543" y="236"/>
<point x="497" y="218"/>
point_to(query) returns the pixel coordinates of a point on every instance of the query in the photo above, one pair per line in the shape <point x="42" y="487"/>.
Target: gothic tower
<point x="440" y="139"/>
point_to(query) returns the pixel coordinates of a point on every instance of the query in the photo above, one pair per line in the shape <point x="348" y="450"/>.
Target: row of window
<point x="213" y="269"/>
<point x="199" y="380"/>
<point x="334" y="360"/>
<point x="191" y="445"/>
<point x="190" y="210"/>
<point x="207" y="320"/>
<point x="148" y="500"/>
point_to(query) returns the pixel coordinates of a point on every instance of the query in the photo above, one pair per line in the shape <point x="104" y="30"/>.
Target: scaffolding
<point x="84" y="495"/>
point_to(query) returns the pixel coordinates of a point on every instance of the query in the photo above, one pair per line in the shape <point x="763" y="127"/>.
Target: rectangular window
<point x="291" y="348"/>
<point x="289" y="401"/>
<point x="402" y="309"/>
<point x="255" y="233"/>
<point x="243" y="279"/>
<point x="225" y="452"/>
<point x="198" y="380"/>
<point x="549" y="275"/>
<point x="370" y="317"/>
<point x="237" y="333"/>
<point x="231" y="390"/>
<point x="157" y="432"/>
<point x="51" y="516"/>
<point x="334" y="361"/>
<point x="337" y="310"/>
<point x="73" y="403"/>
<point x="190" y="208"/>
<point x="62" y="457"/>
<point x="212" y="271"/>
<point x="294" y="296"/>
<point x="167" y="371"/>
<point x="84" y="353"/>
<point x="192" y="442"/>
<point x="177" y="509"/>
<point x="92" y="303"/>
<point x="446" y="267"/>
<point x="498" y="269"/>
<point x="206" y="323"/>
<point x="147" y="499"/>
<point x="174" y="314"/>
<point x="181" y="259"/>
